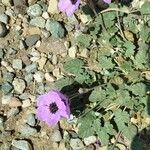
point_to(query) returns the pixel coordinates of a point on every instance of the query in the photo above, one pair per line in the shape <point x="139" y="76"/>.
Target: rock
<point x="55" y="28"/>
<point x="8" y="77"/>
<point x="1" y="53"/>
<point x="85" y="18"/>
<point x="28" y="78"/>
<point x="40" y="89"/>
<point x="27" y="131"/>
<point x="54" y="59"/>
<point x="3" y="29"/>
<point x="31" y="68"/>
<point x="45" y="15"/>
<point x="1" y="123"/>
<point x="38" y="22"/>
<point x="84" y="53"/>
<point x="26" y="103"/>
<point x="52" y="45"/>
<point x="49" y="77"/>
<point x="15" y="102"/>
<point x="12" y="112"/>
<point x="39" y="76"/>
<point x="48" y="67"/>
<point x="76" y="144"/>
<point x="17" y="64"/>
<point x="20" y="6"/>
<point x="6" y="99"/>
<point x="32" y="39"/>
<point x="62" y="146"/>
<point x="31" y="119"/>
<point x="72" y="51"/>
<point x="42" y="62"/>
<point x="53" y="7"/>
<point x="89" y="140"/>
<point x="7" y="2"/>
<point x="6" y="87"/>
<point x="4" y="18"/>
<point x="34" y="10"/>
<point x="56" y="136"/>
<point x="56" y="73"/>
<point x="21" y="144"/>
<point x="19" y="85"/>
<point x="31" y="2"/>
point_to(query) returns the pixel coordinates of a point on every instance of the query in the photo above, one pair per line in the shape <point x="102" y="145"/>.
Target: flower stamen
<point x="53" y="108"/>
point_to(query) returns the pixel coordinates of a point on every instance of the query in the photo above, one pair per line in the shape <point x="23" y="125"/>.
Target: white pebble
<point x="39" y="76"/>
<point x="26" y="103"/>
<point x="72" y="51"/>
<point x="49" y="77"/>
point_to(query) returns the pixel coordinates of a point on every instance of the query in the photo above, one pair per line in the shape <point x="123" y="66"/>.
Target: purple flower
<point x="107" y="1"/>
<point x="68" y="6"/>
<point x="52" y="106"/>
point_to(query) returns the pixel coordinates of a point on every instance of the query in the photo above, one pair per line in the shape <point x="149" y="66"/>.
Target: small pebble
<point x="28" y="78"/>
<point x="54" y="59"/>
<point x="7" y="2"/>
<point x="21" y="144"/>
<point x="42" y="62"/>
<point x="45" y="15"/>
<point x="15" y="102"/>
<point x="26" y="130"/>
<point x="19" y="85"/>
<point x="8" y="77"/>
<point x="32" y="39"/>
<point x="40" y="89"/>
<point x="31" y="68"/>
<point x="26" y="103"/>
<point x="89" y="140"/>
<point x="17" y="64"/>
<point x="3" y="29"/>
<point x="53" y="7"/>
<point x="20" y="6"/>
<point x="56" y="73"/>
<point x="49" y="77"/>
<point x="34" y="10"/>
<point x="4" y="18"/>
<point x="1" y="123"/>
<point x="12" y="112"/>
<point x="6" y="99"/>
<point x="1" y="53"/>
<point x="56" y="136"/>
<point x="76" y="144"/>
<point x="39" y="76"/>
<point x="38" y="22"/>
<point x="31" y="119"/>
<point x="55" y="28"/>
<point x="7" y="87"/>
<point x="72" y="51"/>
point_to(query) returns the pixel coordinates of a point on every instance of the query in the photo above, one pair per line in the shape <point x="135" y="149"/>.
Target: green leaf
<point x="98" y="95"/>
<point x="145" y="8"/>
<point x="121" y="117"/>
<point x="138" y="89"/>
<point x="129" y="48"/>
<point x="103" y="136"/>
<point x="145" y="33"/>
<point x="105" y="62"/>
<point x="86" y="123"/>
<point x="130" y="132"/>
<point x="73" y="66"/>
<point x="83" y="40"/>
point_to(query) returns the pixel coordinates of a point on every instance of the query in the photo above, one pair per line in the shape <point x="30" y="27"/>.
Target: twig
<point x="116" y="140"/>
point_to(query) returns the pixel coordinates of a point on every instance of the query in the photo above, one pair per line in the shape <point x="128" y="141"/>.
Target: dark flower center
<point x="73" y="2"/>
<point x="53" y="108"/>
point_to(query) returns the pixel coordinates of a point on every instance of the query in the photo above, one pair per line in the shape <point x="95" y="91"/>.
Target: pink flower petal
<point x="63" y="5"/>
<point x="107" y="1"/>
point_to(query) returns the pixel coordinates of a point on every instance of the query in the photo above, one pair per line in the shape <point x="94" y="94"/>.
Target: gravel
<point x="34" y="10"/>
<point x="76" y="144"/>
<point x="3" y="29"/>
<point x="21" y="144"/>
<point x="31" y="119"/>
<point x="38" y="22"/>
<point x="4" y="18"/>
<point x="17" y="64"/>
<point x="7" y="87"/>
<point x="55" y="28"/>
<point x="32" y="39"/>
<point x="19" y="85"/>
